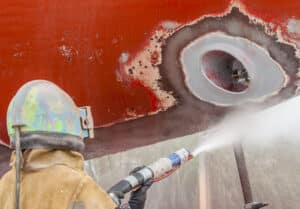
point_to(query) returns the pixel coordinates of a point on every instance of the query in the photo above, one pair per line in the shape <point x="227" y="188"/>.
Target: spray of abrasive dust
<point x="256" y="125"/>
<point x="223" y="134"/>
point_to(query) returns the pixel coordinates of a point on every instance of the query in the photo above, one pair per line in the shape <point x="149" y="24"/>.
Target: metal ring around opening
<point x="267" y="76"/>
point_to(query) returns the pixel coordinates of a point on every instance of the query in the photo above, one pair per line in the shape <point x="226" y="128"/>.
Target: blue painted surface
<point x="175" y="159"/>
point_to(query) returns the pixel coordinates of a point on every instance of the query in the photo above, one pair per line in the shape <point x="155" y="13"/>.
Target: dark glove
<point x="138" y="197"/>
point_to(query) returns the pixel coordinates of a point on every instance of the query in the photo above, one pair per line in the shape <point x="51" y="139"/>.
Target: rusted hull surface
<point x="124" y="60"/>
<point x="190" y="114"/>
<point x="78" y="46"/>
<point x="82" y="46"/>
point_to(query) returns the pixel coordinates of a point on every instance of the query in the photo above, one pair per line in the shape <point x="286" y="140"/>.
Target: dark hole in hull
<point x="225" y="71"/>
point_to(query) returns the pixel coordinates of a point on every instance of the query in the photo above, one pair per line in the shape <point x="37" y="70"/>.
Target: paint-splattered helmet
<point x="48" y="117"/>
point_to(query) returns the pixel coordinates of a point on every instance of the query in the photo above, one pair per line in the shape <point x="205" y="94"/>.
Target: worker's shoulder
<point x="54" y="177"/>
<point x="93" y="195"/>
<point x="62" y="172"/>
<point x="67" y="174"/>
<point x="87" y="183"/>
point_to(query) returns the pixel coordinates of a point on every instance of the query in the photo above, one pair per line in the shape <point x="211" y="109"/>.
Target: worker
<point x="49" y="129"/>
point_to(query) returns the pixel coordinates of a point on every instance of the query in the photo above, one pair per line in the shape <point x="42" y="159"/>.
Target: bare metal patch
<point x="157" y="65"/>
<point x="293" y="26"/>
<point x="234" y="23"/>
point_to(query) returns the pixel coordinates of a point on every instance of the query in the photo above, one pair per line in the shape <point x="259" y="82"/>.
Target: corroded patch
<point x="144" y="67"/>
<point x="235" y="24"/>
<point x="164" y="74"/>
<point x="158" y="64"/>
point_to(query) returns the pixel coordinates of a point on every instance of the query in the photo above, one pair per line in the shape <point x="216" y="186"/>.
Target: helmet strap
<point x="18" y="165"/>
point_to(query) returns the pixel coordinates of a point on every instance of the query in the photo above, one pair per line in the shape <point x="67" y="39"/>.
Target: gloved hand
<point x="138" y="197"/>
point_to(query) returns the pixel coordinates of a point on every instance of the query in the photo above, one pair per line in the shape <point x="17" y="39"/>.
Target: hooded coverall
<point x="52" y="179"/>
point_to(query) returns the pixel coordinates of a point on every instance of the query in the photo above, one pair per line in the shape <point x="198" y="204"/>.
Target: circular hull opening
<point x="225" y="71"/>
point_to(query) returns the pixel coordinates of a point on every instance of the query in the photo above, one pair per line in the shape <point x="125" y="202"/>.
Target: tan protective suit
<point x="53" y="179"/>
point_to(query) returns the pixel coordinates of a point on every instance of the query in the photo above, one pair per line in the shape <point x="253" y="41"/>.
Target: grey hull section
<point x="211" y="180"/>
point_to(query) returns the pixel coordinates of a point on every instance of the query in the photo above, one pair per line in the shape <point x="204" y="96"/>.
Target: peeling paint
<point x="290" y="32"/>
<point x="144" y="67"/>
<point x="123" y="57"/>
<point x="19" y="54"/>
<point x="68" y="52"/>
<point x="237" y="23"/>
<point x="96" y="56"/>
<point x="21" y="49"/>
<point x="147" y="66"/>
<point x="91" y="59"/>
<point x="114" y="41"/>
<point x="293" y="26"/>
<point x="152" y="67"/>
<point x="131" y="112"/>
<point x="170" y="25"/>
